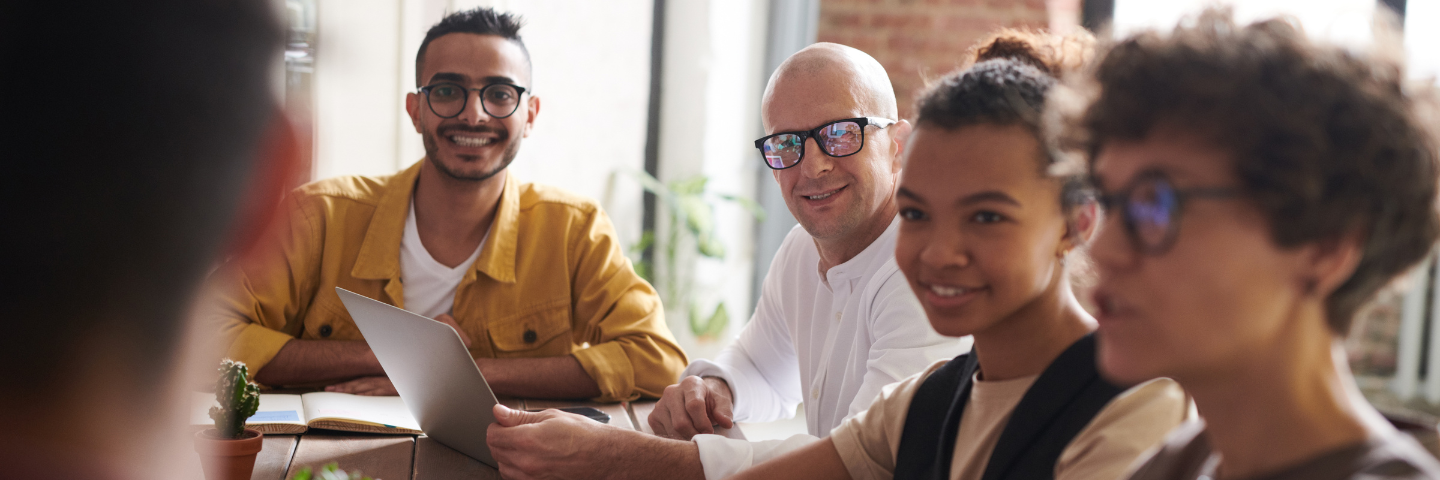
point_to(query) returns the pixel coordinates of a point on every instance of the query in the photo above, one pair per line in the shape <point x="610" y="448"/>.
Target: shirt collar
<point x="379" y="257"/>
<point x="497" y="259"/>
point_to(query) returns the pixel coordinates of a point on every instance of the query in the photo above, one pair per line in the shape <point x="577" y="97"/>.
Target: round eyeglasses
<point x="1151" y="208"/>
<point x="447" y="100"/>
<point x="840" y="138"/>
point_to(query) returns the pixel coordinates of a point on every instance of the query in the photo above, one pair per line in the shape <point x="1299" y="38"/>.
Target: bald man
<point x="836" y="320"/>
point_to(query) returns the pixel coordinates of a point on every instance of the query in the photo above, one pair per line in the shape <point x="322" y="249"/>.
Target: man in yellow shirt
<point x="531" y="277"/>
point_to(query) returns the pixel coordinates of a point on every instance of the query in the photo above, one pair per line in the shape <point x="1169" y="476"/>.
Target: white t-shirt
<point x="429" y="286"/>
<point x="831" y="344"/>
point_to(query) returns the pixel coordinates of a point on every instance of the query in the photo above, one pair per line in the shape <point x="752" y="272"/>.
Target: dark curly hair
<point x="1056" y="55"/>
<point x="1326" y="142"/>
<point x="479" y="21"/>
<point x="1008" y="86"/>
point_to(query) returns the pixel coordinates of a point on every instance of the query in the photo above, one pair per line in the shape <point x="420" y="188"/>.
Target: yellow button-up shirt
<point x="550" y="281"/>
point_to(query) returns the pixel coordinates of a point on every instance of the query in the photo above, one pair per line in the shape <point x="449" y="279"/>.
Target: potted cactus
<point x="228" y="450"/>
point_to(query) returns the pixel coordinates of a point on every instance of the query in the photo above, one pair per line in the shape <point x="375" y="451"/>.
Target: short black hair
<point x="479" y="21"/>
<point x="132" y="137"/>
<point x="1004" y="91"/>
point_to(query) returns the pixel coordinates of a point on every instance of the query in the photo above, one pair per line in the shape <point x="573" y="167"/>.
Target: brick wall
<point x="920" y="39"/>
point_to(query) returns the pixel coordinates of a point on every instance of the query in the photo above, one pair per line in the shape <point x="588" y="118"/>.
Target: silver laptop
<point x="437" y="379"/>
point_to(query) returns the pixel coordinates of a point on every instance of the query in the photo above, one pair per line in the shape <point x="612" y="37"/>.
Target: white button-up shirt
<point x="831" y="343"/>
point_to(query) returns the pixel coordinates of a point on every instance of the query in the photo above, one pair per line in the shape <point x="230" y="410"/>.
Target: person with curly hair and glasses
<point x="1259" y="188"/>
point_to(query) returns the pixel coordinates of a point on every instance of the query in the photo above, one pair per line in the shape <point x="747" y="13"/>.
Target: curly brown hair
<point x="1054" y="54"/>
<point x="1327" y="142"/>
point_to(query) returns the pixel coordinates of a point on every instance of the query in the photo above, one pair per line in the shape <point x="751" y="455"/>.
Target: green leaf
<point x="709" y="327"/>
<point x="749" y="205"/>
<point x="691" y="186"/>
<point x="710" y="246"/>
<point x="647" y="240"/>
<point x="645" y="270"/>
<point x="718" y="321"/>
<point x="699" y="216"/>
<point x="648" y="182"/>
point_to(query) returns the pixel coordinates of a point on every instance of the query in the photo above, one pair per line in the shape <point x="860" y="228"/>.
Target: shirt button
<point x="815" y="393"/>
<point x="325" y="331"/>
<point x="837" y="316"/>
<point x="529" y="336"/>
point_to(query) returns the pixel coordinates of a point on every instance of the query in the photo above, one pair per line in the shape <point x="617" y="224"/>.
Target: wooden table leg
<point x="274" y="458"/>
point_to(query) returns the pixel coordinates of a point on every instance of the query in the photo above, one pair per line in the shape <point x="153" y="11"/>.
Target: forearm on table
<point x="660" y="458"/>
<point x="544" y="377"/>
<point x="314" y="361"/>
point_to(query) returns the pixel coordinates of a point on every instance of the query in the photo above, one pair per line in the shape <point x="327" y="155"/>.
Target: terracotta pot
<point x="227" y="459"/>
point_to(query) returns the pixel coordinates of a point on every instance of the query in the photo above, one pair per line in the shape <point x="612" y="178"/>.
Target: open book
<point x="332" y="411"/>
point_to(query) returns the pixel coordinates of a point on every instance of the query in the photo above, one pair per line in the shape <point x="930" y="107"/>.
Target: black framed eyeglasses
<point x="840" y="138"/>
<point x="447" y="100"/>
<point x="1151" y="208"/>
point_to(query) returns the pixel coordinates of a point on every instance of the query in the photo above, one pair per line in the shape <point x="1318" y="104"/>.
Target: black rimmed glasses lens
<point x="840" y="138"/>
<point x="1151" y="209"/>
<point x="447" y="100"/>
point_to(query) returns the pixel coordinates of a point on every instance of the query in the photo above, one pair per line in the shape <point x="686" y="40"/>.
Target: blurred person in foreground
<point x="835" y="321"/>
<point x="991" y="234"/>
<point x="1260" y="188"/>
<point x="531" y="277"/>
<point x="143" y="130"/>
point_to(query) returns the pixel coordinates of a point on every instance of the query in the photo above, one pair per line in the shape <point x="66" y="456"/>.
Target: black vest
<point x="1063" y="400"/>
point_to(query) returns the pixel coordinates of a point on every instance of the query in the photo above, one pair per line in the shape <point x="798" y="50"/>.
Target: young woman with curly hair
<point x="1258" y="188"/>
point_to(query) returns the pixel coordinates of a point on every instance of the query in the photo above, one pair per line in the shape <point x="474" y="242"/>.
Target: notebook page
<point x="378" y="411"/>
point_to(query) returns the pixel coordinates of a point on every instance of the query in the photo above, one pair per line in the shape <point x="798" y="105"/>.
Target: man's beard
<point x="432" y="151"/>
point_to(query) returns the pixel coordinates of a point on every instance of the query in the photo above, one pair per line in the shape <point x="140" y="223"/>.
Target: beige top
<point x="1131" y="424"/>
<point x="1186" y="454"/>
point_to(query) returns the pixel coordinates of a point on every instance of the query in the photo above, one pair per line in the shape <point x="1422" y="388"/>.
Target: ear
<point x="276" y="163"/>
<point x="412" y="107"/>
<point x="1327" y="264"/>
<point x="1080" y="226"/>
<point x="533" y="110"/>
<point x="899" y="136"/>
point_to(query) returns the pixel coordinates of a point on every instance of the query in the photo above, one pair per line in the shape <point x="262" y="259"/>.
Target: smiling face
<point x="473" y="145"/>
<point x="981" y="228"/>
<point x="1218" y="298"/>
<point x="833" y="197"/>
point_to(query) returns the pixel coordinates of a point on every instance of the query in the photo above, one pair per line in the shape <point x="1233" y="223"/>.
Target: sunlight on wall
<point x="1422" y="38"/>
<point x="1343" y="21"/>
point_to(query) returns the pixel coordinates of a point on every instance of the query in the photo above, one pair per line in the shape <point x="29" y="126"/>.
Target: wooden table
<point x="396" y="457"/>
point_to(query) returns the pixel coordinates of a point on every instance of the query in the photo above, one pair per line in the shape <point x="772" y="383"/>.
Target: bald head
<point x="828" y="74"/>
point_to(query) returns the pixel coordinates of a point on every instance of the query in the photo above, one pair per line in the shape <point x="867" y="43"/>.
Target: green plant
<point x="238" y="398"/>
<point x="330" y="471"/>
<point x="691" y="210"/>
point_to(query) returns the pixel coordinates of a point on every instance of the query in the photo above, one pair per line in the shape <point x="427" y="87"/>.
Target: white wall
<point x="710" y="107"/>
<point x="1422" y="38"/>
<point x="358" y="99"/>
<point x="1345" y="21"/>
